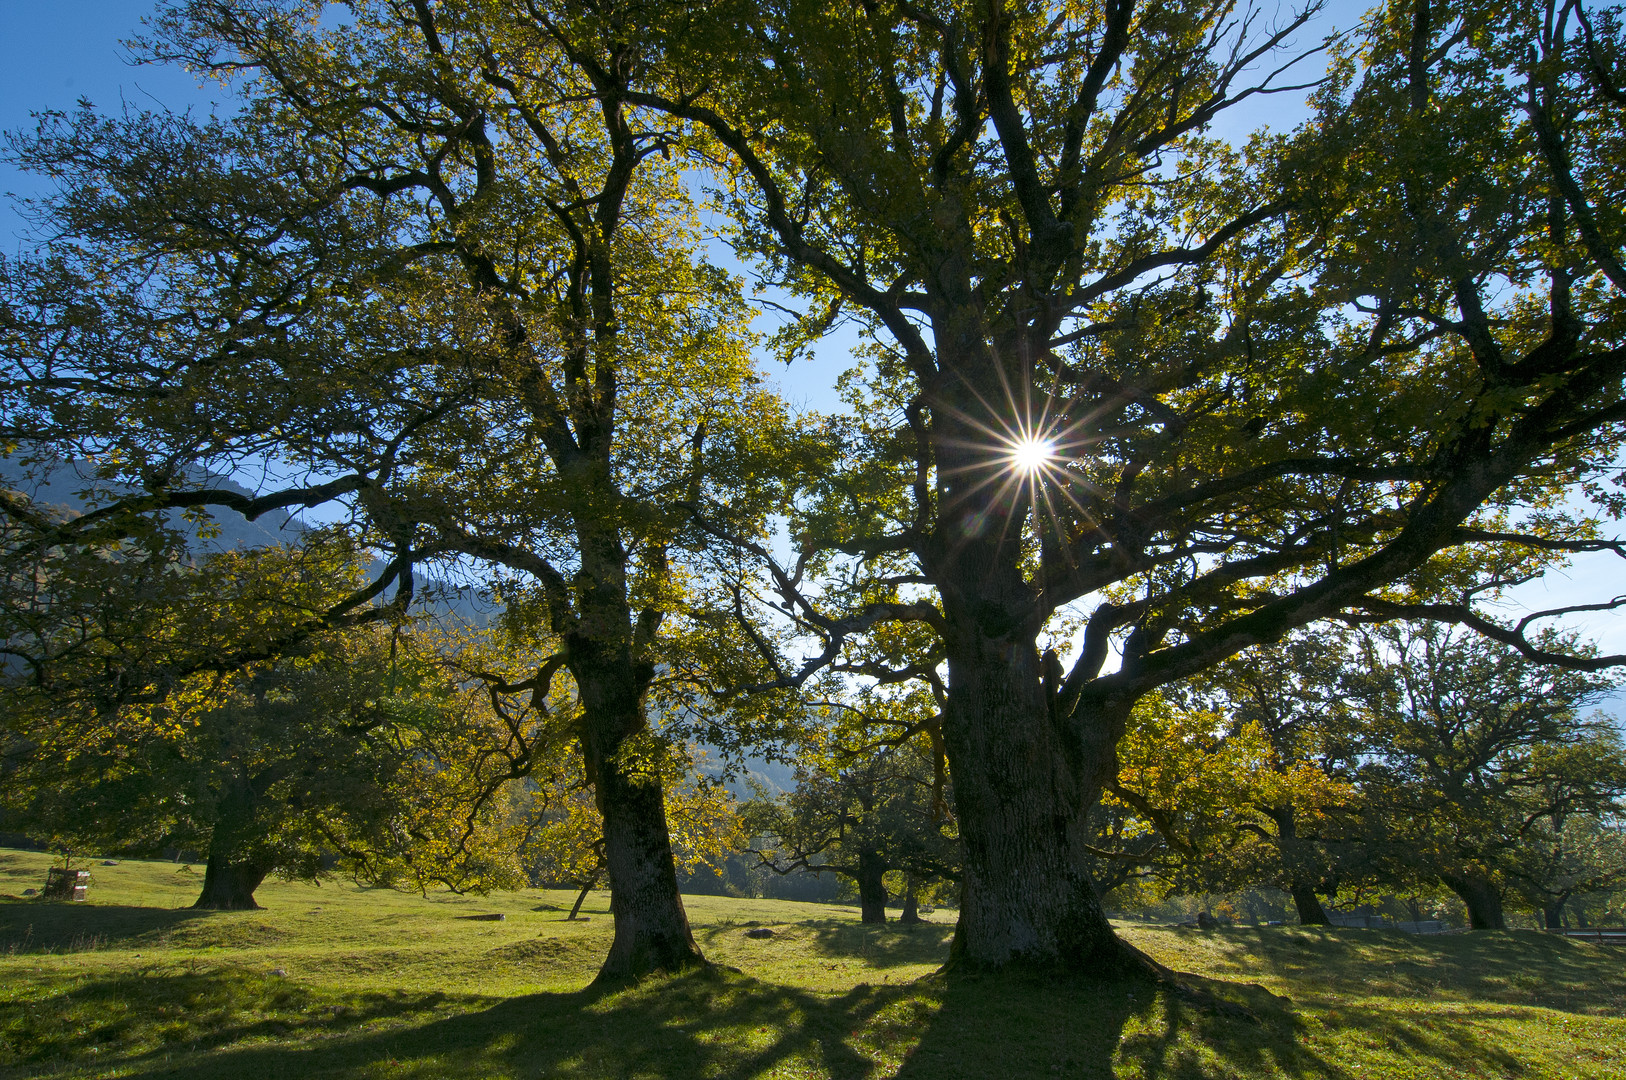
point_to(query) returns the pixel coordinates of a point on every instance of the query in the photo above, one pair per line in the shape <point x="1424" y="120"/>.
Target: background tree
<point x="1303" y="804"/>
<point x="859" y="817"/>
<point x="1474" y="747"/>
<point x="1210" y="392"/>
<point x="342" y="746"/>
<point x="1567" y="858"/>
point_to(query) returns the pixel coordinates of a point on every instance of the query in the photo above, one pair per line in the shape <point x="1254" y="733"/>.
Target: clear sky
<point x="58" y="51"/>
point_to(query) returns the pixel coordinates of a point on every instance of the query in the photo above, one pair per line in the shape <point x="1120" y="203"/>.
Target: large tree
<point x="1202" y="392"/>
<point x="435" y="276"/>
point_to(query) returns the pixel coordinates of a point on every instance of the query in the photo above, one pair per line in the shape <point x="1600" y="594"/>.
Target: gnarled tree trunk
<point x="871" y="887"/>
<point x="1483" y="898"/>
<point x="1023" y="785"/>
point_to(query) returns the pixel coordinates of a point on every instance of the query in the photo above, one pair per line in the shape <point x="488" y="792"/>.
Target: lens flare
<point x="1031" y="455"/>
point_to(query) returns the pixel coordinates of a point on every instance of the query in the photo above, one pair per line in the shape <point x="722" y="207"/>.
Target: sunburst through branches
<point x="1029" y="455"/>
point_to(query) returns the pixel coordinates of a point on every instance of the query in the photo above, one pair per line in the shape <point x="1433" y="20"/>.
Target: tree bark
<point x="229" y="886"/>
<point x="871" y="887"/>
<point x="1311" y="913"/>
<point x="1552" y="913"/>
<point x="1023" y="785"/>
<point x="911" y="903"/>
<point x="1482" y="897"/>
<point x="651" y="926"/>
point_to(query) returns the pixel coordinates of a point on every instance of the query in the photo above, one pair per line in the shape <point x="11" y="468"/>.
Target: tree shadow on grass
<point x="880" y="946"/>
<point x="47" y="927"/>
<point x="1518" y="967"/>
<point x="1021" y="1026"/>
<point x="719" y="1024"/>
<point x="707" y="1023"/>
<point x="137" y="1016"/>
<point x="1177" y="1038"/>
<point x="1460" y="1041"/>
<point x="710" y="1023"/>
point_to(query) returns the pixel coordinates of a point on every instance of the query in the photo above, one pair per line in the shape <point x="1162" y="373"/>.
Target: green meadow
<point x="338" y="981"/>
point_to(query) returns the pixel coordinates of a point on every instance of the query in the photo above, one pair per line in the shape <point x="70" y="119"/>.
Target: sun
<point x="1030" y="455"/>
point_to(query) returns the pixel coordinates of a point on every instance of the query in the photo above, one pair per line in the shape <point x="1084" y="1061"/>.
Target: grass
<point x="338" y="981"/>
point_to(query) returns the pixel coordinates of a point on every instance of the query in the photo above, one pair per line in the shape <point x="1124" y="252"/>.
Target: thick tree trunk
<point x="232" y="873"/>
<point x="1482" y="897"/>
<point x="1311" y="913"/>
<point x="911" y="903"/>
<point x="1552" y="913"/>
<point x="1023" y="785"/>
<point x="871" y="887"/>
<point x="1026" y="770"/>
<point x="229" y="886"/>
<point x="651" y="927"/>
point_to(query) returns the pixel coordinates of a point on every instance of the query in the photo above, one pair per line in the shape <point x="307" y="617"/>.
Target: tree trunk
<point x="232" y="873"/>
<point x="1299" y="865"/>
<point x="871" y="887"/>
<point x="1552" y="913"/>
<point x="1025" y="773"/>
<point x="1311" y="913"/>
<point x="229" y="886"/>
<point x="1482" y="897"/>
<point x="911" y="903"/>
<point x="1023" y="786"/>
<point x="587" y="886"/>
<point x="651" y="927"/>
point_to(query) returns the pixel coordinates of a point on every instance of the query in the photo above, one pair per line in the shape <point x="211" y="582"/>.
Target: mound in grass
<point x="380" y="984"/>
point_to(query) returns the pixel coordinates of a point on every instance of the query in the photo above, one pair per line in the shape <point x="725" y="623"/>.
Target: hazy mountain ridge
<point x="65" y="487"/>
<point x="63" y="490"/>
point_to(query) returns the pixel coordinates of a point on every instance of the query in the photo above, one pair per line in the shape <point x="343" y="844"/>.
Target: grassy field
<point x="338" y="981"/>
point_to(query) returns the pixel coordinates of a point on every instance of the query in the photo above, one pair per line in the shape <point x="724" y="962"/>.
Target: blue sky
<point x="58" y="51"/>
